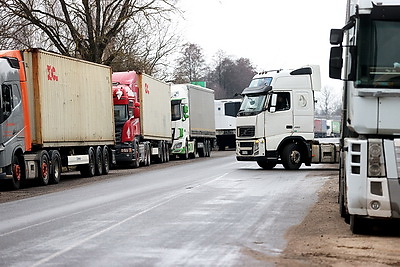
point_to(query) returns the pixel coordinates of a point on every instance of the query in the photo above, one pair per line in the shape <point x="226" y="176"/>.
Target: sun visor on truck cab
<point x="259" y="90"/>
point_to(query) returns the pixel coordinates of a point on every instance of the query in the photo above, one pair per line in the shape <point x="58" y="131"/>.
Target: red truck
<point x="56" y="112"/>
<point x="142" y="111"/>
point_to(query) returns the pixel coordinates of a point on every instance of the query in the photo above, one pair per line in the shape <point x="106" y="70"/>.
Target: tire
<point x="357" y="225"/>
<point x="147" y="154"/>
<point x="136" y="159"/>
<point x="105" y="166"/>
<point x="266" y="165"/>
<point x="202" y="151"/>
<point x="208" y="150"/>
<point x="99" y="161"/>
<point x="44" y="167"/>
<point x="88" y="170"/>
<point x="291" y="157"/>
<point x="185" y="156"/>
<point x="162" y="148"/>
<point x="166" y="152"/>
<point x="55" y="167"/>
<point x="17" y="172"/>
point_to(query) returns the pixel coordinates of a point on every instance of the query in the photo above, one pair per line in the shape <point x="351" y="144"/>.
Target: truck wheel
<point x="89" y="169"/>
<point x="147" y="154"/>
<point x="136" y="160"/>
<point x="105" y="166"/>
<point x="186" y="155"/>
<point x="357" y="224"/>
<point x="208" y="148"/>
<point x="201" y="151"/>
<point x="291" y="157"/>
<point x="266" y="165"/>
<point x="17" y="172"/>
<point x="55" y="166"/>
<point x="44" y="164"/>
<point x="162" y="149"/>
<point x="166" y="152"/>
<point x="99" y="161"/>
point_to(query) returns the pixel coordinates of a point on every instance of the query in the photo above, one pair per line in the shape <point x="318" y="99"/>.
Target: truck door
<point x="11" y="119"/>
<point x="303" y="110"/>
<point x="279" y="119"/>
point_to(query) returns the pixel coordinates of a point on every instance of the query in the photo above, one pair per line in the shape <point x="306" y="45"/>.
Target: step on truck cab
<point x="275" y="123"/>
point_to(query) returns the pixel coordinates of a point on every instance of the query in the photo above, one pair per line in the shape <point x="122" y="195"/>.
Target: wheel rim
<point x="17" y="172"/>
<point x="45" y="169"/>
<point x="295" y="157"/>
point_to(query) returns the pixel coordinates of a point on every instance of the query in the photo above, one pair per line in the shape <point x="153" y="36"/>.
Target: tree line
<point x="135" y="35"/>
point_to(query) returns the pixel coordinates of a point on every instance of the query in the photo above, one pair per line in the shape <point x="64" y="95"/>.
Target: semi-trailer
<point x="193" y="120"/>
<point x="56" y="112"/>
<point x="142" y="109"/>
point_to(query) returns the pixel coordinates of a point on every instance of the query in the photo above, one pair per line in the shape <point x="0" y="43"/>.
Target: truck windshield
<point x="176" y="112"/>
<point x="120" y="113"/>
<point x="252" y="105"/>
<point x="378" y="54"/>
<point x="257" y="82"/>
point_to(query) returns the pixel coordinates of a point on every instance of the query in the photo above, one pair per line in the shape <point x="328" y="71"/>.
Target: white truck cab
<point x="275" y="123"/>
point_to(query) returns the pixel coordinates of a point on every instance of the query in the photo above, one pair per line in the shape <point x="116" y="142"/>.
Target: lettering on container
<point x="146" y="88"/>
<point x="51" y="76"/>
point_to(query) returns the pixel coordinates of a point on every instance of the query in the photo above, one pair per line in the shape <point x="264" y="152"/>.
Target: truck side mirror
<point x="336" y="37"/>
<point x="136" y="110"/>
<point x="185" y="112"/>
<point x="274" y="98"/>
<point x="336" y="62"/>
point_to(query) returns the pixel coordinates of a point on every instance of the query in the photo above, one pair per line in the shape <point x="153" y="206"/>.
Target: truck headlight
<point x="178" y="145"/>
<point x="376" y="158"/>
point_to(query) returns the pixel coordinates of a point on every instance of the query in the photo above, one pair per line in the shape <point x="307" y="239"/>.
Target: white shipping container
<point x="70" y="100"/>
<point x="155" y="108"/>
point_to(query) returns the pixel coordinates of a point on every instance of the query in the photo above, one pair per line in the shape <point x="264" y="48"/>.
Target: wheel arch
<point x="301" y="142"/>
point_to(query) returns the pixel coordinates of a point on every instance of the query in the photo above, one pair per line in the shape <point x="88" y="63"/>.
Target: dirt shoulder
<point x="324" y="239"/>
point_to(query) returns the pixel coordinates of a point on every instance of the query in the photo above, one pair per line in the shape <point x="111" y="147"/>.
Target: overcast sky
<point x="272" y="34"/>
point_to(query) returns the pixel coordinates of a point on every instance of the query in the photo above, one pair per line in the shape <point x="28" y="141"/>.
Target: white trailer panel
<point x="201" y="110"/>
<point x="155" y="108"/>
<point x="70" y="100"/>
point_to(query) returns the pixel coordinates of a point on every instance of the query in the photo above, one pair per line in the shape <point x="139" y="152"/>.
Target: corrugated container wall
<point x="70" y="100"/>
<point x="201" y="110"/>
<point x="155" y="108"/>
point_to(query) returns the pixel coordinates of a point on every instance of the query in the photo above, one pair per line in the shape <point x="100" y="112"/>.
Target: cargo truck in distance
<point x="55" y="111"/>
<point x="193" y="120"/>
<point x="275" y="123"/>
<point x="142" y="111"/>
<point x="365" y="54"/>
<point x="225" y="122"/>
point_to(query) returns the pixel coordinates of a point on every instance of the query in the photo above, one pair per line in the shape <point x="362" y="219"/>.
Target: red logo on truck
<point x="146" y="88"/>
<point x="51" y="73"/>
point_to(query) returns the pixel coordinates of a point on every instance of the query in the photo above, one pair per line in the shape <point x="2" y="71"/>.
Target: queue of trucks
<point x="63" y="113"/>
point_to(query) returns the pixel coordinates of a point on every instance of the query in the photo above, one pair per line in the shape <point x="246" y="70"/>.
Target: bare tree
<point x="87" y="29"/>
<point x="230" y="76"/>
<point x="328" y="103"/>
<point x="191" y="64"/>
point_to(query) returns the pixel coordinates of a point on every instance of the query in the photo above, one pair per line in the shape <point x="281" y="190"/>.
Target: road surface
<point x="207" y="212"/>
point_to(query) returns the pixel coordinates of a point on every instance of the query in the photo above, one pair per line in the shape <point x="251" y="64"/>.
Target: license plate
<point x="245" y="152"/>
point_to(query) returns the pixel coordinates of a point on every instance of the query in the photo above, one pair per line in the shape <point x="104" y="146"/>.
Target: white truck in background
<point x="193" y="120"/>
<point x="368" y="47"/>
<point x="275" y="123"/>
<point x="225" y="122"/>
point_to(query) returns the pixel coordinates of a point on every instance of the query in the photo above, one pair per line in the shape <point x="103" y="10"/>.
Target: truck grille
<point x="247" y="131"/>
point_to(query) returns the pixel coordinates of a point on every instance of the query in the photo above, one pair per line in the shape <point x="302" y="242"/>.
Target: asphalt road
<point x="208" y="212"/>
